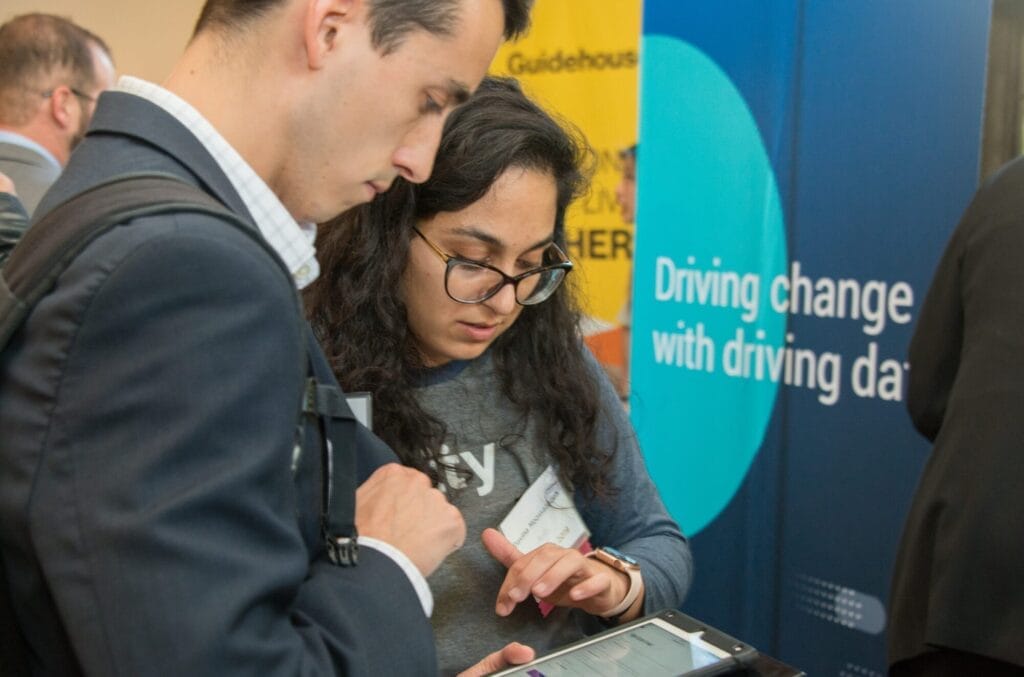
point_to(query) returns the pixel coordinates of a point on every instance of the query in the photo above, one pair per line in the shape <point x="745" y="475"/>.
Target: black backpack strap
<point x="326" y="404"/>
<point x="49" y="247"/>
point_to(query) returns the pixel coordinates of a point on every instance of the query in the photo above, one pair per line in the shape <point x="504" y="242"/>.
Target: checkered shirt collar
<point x="291" y="240"/>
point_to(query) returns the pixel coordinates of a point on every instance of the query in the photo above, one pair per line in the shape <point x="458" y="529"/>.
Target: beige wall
<point x="146" y="36"/>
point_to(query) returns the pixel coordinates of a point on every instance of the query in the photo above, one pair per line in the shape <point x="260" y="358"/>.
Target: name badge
<point x="361" y="404"/>
<point x="545" y="514"/>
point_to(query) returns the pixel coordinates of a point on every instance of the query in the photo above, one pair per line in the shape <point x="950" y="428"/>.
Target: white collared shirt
<point x="291" y="240"/>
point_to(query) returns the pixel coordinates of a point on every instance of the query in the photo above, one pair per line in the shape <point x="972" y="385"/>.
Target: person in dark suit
<point x="159" y="508"/>
<point x="51" y="73"/>
<point x="957" y="600"/>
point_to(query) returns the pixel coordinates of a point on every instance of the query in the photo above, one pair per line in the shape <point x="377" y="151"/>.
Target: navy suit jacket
<point x="153" y="517"/>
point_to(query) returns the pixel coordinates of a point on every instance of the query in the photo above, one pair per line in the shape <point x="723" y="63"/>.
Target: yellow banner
<point x="580" y="61"/>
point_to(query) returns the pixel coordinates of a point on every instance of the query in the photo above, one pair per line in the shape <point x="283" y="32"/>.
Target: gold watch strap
<point x="634" y="581"/>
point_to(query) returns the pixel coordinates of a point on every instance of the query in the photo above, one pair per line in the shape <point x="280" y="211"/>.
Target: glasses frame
<point x="77" y="92"/>
<point x="451" y="261"/>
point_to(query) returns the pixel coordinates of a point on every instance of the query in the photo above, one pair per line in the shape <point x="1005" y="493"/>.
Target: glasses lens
<point x="539" y="286"/>
<point x="470" y="283"/>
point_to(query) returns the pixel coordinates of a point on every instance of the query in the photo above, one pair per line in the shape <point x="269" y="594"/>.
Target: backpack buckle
<point x="343" y="550"/>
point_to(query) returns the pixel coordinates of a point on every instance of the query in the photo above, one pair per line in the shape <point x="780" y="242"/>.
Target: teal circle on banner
<point x="711" y="237"/>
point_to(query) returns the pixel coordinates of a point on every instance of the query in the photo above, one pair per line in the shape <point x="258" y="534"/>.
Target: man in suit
<point x="51" y="73"/>
<point x="957" y="600"/>
<point x="158" y="514"/>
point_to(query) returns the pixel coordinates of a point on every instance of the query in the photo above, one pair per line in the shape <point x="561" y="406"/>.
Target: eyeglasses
<point x="82" y="95"/>
<point x="77" y="92"/>
<point x="468" y="281"/>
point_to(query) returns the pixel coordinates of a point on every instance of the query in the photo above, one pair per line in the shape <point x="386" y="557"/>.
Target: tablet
<point x="666" y="644"/>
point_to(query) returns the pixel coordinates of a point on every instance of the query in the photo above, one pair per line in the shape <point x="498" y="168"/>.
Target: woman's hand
<point x="558" y="576"/>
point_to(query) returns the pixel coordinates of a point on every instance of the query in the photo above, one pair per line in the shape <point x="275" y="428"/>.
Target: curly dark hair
<point x="362" y="324"/>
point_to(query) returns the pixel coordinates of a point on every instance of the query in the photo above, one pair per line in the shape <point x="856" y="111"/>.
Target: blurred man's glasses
<point x="468" y="281"/>
<point x="77" y="92"/>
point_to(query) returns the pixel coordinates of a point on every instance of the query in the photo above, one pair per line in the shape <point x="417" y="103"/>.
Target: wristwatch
<point x="627" y="565"/>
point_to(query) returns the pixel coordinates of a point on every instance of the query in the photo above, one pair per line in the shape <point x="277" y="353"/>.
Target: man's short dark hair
<point x="37" y="49"/>
<point x="390" y="20"/>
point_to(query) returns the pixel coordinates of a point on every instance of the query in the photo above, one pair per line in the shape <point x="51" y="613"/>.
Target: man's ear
<point x="325" y="20"/>
<point x="59" y="105"/>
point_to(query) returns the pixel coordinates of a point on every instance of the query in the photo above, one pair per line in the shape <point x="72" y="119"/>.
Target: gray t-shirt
<point x="497" y="450"/>
<point x="487" y="440"/>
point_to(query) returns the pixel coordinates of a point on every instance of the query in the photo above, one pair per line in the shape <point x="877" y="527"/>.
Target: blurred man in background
<point x="51" y="74"/>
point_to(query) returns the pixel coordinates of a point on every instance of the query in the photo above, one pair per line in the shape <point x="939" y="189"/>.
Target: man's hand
<point x="398" y="505"/>
<point x="6" y="185"/>
<point x="559" y="576"/>
<point x="513" y="654"/>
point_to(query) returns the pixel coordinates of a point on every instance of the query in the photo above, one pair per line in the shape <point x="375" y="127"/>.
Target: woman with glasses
<point x="451" y="302"/>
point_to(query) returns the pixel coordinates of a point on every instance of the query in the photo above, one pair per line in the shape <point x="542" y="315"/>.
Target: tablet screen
<point x="653" y="649"/>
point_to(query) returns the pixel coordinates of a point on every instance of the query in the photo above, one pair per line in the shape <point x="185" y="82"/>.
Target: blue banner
<point x="801" y="165"/>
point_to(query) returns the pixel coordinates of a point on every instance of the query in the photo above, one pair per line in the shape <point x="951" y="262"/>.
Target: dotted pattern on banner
<point x="854" y="670"/>
<point x="838" y="604"/>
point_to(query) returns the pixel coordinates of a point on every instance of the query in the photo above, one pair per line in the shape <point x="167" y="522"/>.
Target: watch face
<point x="619" y="555"/>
